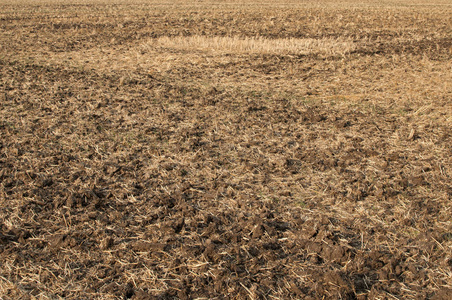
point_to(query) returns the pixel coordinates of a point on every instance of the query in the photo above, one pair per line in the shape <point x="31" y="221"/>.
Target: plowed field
<point x="225" y="150"/>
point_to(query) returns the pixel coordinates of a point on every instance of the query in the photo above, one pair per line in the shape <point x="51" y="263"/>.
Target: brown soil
<point x="133" y="171"/>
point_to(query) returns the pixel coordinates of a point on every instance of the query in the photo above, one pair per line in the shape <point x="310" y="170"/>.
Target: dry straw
<point x="254" y="45"/>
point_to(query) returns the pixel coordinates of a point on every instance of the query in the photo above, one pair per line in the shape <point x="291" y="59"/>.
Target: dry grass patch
<point x="255" y="45"/>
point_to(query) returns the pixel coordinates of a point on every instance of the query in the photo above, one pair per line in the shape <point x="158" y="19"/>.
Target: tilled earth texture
<point x="225" y="150"/>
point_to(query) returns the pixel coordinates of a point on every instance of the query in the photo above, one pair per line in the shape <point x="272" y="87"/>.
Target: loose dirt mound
<point x="128" y="171"/>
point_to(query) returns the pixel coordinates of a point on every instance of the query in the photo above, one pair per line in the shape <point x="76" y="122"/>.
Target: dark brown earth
<point x="228" y="178"/>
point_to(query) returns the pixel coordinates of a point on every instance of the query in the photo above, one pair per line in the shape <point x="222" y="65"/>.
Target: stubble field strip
<point x="238" y="150"/>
